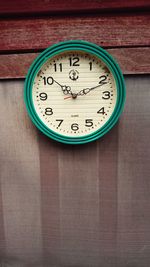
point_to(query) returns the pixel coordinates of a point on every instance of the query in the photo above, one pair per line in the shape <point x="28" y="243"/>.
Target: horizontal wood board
<point x="17" y="7"/>
<point x="109" y="31"/>
<point x="131" y="61"/>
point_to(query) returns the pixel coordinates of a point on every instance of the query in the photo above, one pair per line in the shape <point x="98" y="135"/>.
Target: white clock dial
<point x="74" y="93"/>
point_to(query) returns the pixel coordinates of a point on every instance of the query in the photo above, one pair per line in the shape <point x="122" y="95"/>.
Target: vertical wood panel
<point x="20" y="177"/>
<point x="79" y="205"/>
<point x="2" y="232"/>
<point x="79" y="208"/>
<point x="133" y="176"/>
<point x="108" y="156"/>
<point x="50" y="206"/>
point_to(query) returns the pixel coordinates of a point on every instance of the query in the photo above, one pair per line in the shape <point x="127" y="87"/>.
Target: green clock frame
<point x="80" y="46"/>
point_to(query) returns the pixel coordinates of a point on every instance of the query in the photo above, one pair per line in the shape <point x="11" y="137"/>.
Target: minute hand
<point x="87" y="90"/>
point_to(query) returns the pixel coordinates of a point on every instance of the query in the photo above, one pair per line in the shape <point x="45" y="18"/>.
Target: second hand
<point x="67" y="97"/>
<point x="74" y="96"/>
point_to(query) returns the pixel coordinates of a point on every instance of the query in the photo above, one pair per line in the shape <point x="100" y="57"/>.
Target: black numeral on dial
<point x="101" y="111"/>
<point x="60" y="122"/>
<point x="106" y="95"/>
<point x="43" y="96"/>
<point x="48" y="80"/>
<point x="90" y="63"/>
<point x="89" y="123"/>
<point x="58" y="67"/>
<point x="74" y="61"/>
<point x="103" y="79"/>
<point x="48" y="111"/>
<point x="74" y="127"/>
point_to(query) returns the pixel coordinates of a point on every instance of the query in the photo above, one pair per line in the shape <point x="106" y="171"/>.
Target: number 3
<point x="106" y="95"/>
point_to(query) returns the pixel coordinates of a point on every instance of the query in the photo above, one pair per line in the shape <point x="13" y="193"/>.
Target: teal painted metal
<point x="77" y="45"/>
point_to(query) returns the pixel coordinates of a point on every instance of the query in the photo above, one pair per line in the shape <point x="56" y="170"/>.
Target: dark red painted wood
<point x="131" y="61"/>
<point x="107" y="31"/>
<point x="52" y="6"/>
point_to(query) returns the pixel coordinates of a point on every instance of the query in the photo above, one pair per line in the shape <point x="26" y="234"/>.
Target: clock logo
<point x="73" y="75"/>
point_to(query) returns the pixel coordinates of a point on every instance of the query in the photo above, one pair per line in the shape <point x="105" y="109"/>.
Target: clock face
<point x="74" y="95"/>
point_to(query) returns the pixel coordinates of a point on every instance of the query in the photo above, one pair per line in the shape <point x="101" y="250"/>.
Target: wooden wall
<point x="74" y="206"/>
<point x="28" y="27"/>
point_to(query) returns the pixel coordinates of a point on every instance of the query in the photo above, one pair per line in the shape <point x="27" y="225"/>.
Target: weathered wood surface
<point x="108" y="31"/>
<point x="17" y="7"/>
<point x="131" y="61"/>
<point x="19" y="179"/>
<point x="75" y="205"/>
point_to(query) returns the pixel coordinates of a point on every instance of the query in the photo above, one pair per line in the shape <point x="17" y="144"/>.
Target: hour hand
<point x="66" y="89"/>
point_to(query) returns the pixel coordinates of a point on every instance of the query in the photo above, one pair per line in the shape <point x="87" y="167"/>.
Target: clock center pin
<point x="74" y="96"/>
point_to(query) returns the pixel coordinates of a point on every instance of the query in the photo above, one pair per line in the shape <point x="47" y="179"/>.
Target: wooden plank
<point x="107" y="31"/>
<point x="15" y="65"/>
<point x="131" y="61"/>
<point x="133" y="236"/>
<point x="2" y="228"/>
<point x="20" y="178"/>
<point x="8" y="7"/>
<point x="108" y="208"/>
<point x="87" y="213"/>
<point x="79" y="202"/>
<point x="50" y="208"/>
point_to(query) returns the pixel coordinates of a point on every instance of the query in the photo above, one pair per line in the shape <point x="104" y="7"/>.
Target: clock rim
<point x="66" y="46"/>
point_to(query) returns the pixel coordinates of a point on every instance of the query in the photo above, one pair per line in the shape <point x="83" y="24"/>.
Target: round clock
<point x="74" y="92"/>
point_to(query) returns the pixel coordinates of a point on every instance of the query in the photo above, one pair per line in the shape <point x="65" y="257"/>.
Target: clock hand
<point x="73" y="95"/>
<point x="82" y="92"/>
<point x="66" y="89"/>
<point x="87" y="90"/>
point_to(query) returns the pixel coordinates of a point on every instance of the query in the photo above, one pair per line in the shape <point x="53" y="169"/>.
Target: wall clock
<point x="74" y="92"/>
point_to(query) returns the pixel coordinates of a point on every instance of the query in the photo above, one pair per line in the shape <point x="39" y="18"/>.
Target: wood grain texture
<point x="9" y="7"/>
<point x="20" y="180"/>
<point x="79" y="218"/>
<point x="50" y="200"/>
<point x="2" y="231"/>
<point x="107" y="162"/>
<point x="131" y="61"/>
<point x="133" y="237"/>
<point x="79" y="202"/>
<point x="107" y="31"/>
<point x="76" y="205"/>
